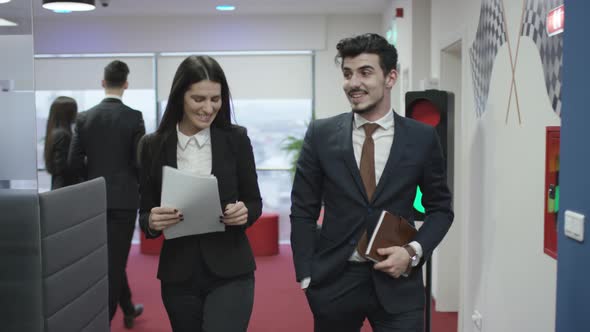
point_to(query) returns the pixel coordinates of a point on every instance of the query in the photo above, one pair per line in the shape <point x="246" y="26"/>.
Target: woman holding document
<point x="208" y="279"/>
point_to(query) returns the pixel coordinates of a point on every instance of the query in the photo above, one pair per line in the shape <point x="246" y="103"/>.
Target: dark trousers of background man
<point x="125" y="297"/>
<point x="120" y="226"/>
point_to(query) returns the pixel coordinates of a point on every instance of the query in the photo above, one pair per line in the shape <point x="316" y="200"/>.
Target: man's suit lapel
<point x="397" y="148"/>
<point x="345" y="132"/>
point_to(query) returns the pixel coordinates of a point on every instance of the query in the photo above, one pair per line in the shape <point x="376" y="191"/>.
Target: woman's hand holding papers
<point x="235" y="214"/>
<point x="164" y="217"/>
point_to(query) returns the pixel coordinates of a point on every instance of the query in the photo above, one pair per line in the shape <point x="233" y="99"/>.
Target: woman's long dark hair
<point x="195" y="69"/>
<point x="62" y="114"/>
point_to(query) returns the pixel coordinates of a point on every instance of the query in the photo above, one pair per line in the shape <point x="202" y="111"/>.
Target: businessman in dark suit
<point x="106" y="140"/>
<point x="358" y="164"/>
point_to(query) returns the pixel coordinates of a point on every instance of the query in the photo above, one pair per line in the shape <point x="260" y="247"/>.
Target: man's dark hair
<point x="368" y="43"/>
<point x="115" y="74"/>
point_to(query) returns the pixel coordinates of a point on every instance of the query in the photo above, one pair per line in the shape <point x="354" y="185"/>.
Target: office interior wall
<point x="403" y="27"/>
<point x="280" y="76"/>
<point x="75" y="73"/>
<point x="450" y="19"/>
<point x="573" y="274"/>
<point x="420" y="43"/>
<point x="505" y="274"/>
<point x="93" y="34"/>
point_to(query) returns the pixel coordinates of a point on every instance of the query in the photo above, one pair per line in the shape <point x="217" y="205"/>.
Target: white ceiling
<point x="207" y="7"/>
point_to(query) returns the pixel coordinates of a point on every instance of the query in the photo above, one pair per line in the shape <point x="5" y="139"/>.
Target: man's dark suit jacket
<point x="107" y="136"/>
<point x="327" y="171"/>
<point x="227" y="254"/>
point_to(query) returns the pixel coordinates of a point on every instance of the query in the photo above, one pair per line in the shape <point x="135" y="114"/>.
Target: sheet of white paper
<point x="197" y="197"/>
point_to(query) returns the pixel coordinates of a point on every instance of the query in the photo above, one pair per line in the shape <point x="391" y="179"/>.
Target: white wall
<point x="253" y="76"/>
<point x="71" y="34"/>
<point x="505" y="274"/>
<point x="404" y="49"/>
<point x="498" y="175"/>
<point x="87" y="73"/>
<point x="449" y="21"/>
<point x="420" y="42"/>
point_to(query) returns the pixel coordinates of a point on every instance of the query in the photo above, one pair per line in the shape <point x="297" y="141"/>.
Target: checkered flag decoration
<point x="489" y="38"/>
<point x="534" y="25"/>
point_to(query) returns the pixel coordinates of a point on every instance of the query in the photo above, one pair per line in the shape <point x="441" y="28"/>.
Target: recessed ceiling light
<point x="4" y="1"/>
<point x="225" y="8"/>
<point x="7" y="23"/>
<point x="72" y="5"/>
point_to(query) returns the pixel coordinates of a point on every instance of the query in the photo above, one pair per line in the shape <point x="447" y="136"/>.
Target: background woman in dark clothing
<point x="208" y="279"/>
<point x="57" y="142"/>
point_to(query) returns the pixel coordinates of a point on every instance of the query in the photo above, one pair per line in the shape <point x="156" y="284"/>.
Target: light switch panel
<point x="574" y="225"/>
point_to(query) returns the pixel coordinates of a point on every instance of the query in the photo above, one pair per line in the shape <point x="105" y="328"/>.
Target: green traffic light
<point x="418" y="201"/>
<point x="556" y="198"/>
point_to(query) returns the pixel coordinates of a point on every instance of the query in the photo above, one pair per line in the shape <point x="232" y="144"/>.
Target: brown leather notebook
<point x="391" y="230"/>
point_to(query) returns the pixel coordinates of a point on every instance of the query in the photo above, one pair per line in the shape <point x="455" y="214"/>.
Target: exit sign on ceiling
<point x="555" y="20"/>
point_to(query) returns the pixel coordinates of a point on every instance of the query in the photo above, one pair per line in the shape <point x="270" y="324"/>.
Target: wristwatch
<point x="413" y="256"/>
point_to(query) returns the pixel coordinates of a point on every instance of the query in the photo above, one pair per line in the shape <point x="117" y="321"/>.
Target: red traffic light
<point x="425" y="111"/>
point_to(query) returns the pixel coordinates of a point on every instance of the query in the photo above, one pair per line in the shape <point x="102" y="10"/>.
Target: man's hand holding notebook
<point x="391" y="230"/>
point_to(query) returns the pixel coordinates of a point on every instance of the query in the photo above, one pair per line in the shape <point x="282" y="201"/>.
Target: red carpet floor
<point x="279" y="304"/>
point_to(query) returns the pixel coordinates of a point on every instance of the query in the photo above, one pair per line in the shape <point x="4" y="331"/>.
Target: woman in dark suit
<point x="62" y="114"/>
<point x="207" y="280"/>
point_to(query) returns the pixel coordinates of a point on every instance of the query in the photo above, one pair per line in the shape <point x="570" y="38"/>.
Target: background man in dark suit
<point x="358" y="164"/>
<point x="106" y="138"/>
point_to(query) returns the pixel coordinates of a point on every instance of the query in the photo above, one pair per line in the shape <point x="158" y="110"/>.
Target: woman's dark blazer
<point x="227" y="254"/>
<point x="61" y="174"/>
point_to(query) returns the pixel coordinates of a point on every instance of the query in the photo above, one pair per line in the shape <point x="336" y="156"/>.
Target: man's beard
<point x="368" y="108"/>
<point x="365" y="110"/>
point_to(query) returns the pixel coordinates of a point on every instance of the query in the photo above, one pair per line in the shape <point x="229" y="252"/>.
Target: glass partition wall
<point x="79" y="77"/>
<point x="20" y="274"/>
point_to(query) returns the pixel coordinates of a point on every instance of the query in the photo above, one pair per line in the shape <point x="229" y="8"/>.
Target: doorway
<point x="446" y="258"/>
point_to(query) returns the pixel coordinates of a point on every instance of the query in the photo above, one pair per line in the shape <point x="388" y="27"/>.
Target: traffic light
<point x="435" y="108"/>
